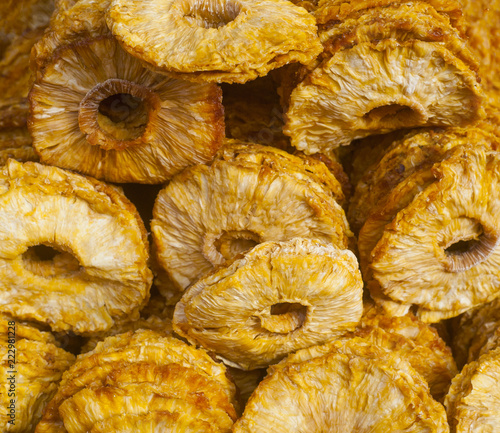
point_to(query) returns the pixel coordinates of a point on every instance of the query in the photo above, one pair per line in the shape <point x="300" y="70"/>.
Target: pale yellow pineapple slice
<point x="215" y="40"/>
<point x="95" y="272"/>
<point x="278" y="298"/>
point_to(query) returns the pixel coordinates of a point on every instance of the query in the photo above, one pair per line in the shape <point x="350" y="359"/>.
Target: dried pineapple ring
<point x="99" y="243"/>
<point x="359" y="387"/>
<point x="208" y="214"/>
<point x="473" y="399"/>
<point x="377" y="88"/>
<point x="39" y="365"/>
<point x="440" y="251"/>
<point x="119" y="122"/>
<point x="279" y="298"/>
<point x="215" y="40"/>
<point x="142" y="346"/>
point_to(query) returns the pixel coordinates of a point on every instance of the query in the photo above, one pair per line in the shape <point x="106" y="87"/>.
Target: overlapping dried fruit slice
<point x="73" y="250"/>
<point x="98" y="111"/>
<point x="433" y="243"/>
<point x="215" y="40"/>
<point x="383" y="69"/>
<point x="15" y="143"/>
<point x="31" y="368"/>
<point x="473" y="400"/>
<point x="357" y="387"/>
<point x="208" y="214"/>
<point x="138" y="373"/>
<point x="278" y="298"/>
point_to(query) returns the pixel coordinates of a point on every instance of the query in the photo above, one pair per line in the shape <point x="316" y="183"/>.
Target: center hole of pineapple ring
<point x="123" y="116"/>
<point x="211" y="14"/>
<point x="231" y="243"/>
<point x="396" y="114"/>
<point x="48" y="261"/>
<point x="468" y="250"/>
<point x="284" y="317"/>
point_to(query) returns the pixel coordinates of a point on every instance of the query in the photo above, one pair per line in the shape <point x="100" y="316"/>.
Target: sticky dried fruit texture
<point x="278" y="298"/>
<point x="139" y="373"/>
<point x="15" y="143"/>
<point x="68" y="241"/>
<point x="207" y="215"/>
<point x="473" y="400"/>
<point x="98" y="111"/>
<point x="476" y="332"/>
<point x="30" y="373"/>
<point x="432" y="244"/>
<point x="415" y="151"/>
<point x="215" y="40"/>
<point x="358" y="387"/>
<point x="398" y="67"/>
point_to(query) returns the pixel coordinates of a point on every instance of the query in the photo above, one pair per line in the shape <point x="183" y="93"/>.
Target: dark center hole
<point x="287" y="307"/>
<point x="123" y="116"/>
<point x="462" y="247"/>
<point x="232" y="243"/>
<point x="391" y="112"/>
<point x="211" y="14"/>
<point x="42" y="252"/>
<point x="47" y="261"/>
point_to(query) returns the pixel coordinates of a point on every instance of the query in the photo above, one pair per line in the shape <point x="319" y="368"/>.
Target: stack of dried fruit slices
<point x="249" y="216"/>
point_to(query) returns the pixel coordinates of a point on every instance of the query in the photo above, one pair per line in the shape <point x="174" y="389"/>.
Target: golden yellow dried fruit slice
<point x="207" y="215"/>
<point x="73" y="250"/>
<point x="278" y="298"/>
<point x="15" y="143"/>
<point x="31" y="368"/>
<point x="473" y="400"/>
<point x="375" y="88"/>
<point x="439" y="253"/>
<point x="358" y="387"/>
<point x="215" y="40"/>
<point x="96" y="110"/>
<point x="117" y="352"/>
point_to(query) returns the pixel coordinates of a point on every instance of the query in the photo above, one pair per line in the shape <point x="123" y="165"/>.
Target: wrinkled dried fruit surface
<point x="131" y="376"/>
<point x="433" y="243"/>
<point x="68" y="241"/>
<point x="278" y="298"/>
<point x="207" y="215"/>
<point x="357" y="387"/>
<point x="215" y="40"/>
<point x="96" y="110"/>
<point x="34" y="374"/>
<point x="473" y="401"/>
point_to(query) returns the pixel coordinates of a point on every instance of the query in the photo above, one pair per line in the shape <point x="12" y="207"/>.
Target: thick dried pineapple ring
<point x="474" y="398"/>
<point x="440" y="251"/>
<point x="207" y="215"/>
<point x="278" y="298"/>
<point x="97" y="110"/>
<point x="215" y="40"/>
<point x="357" y="388"/>
<point x="97" y="250"/>
<point x="35" y="373"/>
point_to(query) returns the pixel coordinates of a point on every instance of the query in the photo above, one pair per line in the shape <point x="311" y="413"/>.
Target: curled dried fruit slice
<point x="98" y="111"/>
<point x="31" y="368"/>
<point x="358" y="387"/>
<point x="207" y="215"/>
<point x="473" y="400"/>
<point x="215" y="40"/>
<point x="278" y="298"/>
<point x="118" y="352"/>
<point x="434" y="243"/>
<point x="326" y="110"/>
<point x="68" y="241"/>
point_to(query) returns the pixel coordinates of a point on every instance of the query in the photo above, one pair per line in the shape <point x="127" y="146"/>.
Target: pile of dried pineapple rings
<point x="249" y="216"/>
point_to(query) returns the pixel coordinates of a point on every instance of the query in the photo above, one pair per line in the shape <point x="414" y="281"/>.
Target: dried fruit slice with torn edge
<point x="73" y="250"/>
<point x="96" y="110"/>
<point x="215" y="40"/>
<point x="208" y="214"/>
<point x="278" y="298"/>
<point x="440" y="252"/>
<point x="473" y="400"/>
<point x="358" y="387"/>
